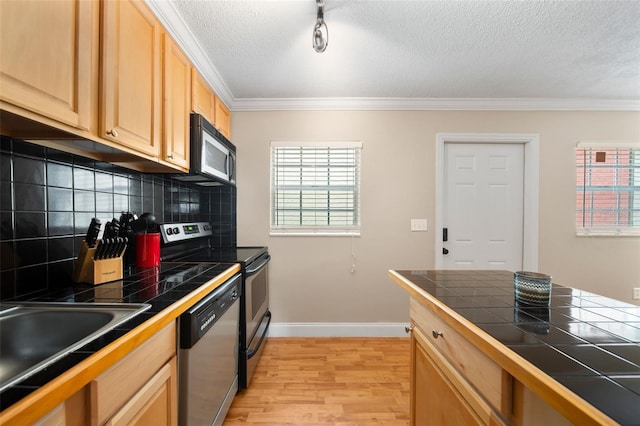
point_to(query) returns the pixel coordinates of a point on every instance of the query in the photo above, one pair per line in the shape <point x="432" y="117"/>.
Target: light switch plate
<point x="418" y="225"/>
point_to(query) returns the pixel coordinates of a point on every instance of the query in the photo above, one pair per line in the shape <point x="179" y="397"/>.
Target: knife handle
<point x="97" y="251"/>
<point x="92" y="232"/>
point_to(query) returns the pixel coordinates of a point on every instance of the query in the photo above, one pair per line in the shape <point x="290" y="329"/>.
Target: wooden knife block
<point x="88" y="270"/>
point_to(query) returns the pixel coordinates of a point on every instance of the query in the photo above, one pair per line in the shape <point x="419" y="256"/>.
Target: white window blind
<point x="608" y="189"/>
<point x="315" y="188"/>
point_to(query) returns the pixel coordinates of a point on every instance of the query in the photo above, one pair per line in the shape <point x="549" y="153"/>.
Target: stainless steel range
<point x="190" y="243"/>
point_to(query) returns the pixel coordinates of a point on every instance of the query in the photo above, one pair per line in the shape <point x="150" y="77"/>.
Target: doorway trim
<point x="531" y="181"/>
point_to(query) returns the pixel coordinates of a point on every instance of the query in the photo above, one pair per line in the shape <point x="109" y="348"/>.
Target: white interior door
<point x="483" y="206"/>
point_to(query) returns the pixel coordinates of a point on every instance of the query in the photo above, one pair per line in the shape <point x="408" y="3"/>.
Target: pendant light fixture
<point x="320" y="40"/>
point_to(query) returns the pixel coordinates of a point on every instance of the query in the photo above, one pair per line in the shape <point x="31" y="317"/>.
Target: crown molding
<point x="434" y="104"/>
<point x="175" y="25"/>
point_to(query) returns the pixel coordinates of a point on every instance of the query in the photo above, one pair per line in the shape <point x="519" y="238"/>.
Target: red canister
<point x="147" y="250"/>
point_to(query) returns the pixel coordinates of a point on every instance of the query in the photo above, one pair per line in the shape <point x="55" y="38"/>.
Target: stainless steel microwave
<point x="213" y="156"/>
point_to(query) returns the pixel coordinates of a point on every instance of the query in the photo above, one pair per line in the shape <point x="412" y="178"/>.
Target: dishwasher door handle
<point x="252" y="352"/>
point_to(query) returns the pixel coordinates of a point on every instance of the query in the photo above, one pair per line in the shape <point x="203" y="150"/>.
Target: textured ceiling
<point x="421" y="49"/>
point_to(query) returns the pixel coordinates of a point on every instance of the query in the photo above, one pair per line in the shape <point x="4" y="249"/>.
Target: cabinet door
<point x="202" y="97"/>
<point x="72" y="412"/>
<point x="130" y="91"/>
<point x="154" y="404"/>
<point x="223" y="118"/>
<point x="48" y="57"/>
<point x="118" y="385"/>
<point x="177" y="104"/>
<point x="434" y="398"/>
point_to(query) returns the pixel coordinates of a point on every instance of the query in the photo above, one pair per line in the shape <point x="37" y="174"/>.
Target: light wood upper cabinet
<point x="48" y="59"/>
<point x="202" y="97"/>
<point x="131" y="76"/>
<point x="205" y="102"/>
<point x="223" y="118"/>
<point x="177" y="104"/>
<point x="100" y="71"/>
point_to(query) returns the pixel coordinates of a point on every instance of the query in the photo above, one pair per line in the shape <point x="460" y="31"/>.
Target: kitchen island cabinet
<point x="436" y="399"/>
<point x="491" y="360"/>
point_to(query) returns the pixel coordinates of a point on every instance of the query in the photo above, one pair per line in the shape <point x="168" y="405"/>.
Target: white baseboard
<point x="332" y="329"/>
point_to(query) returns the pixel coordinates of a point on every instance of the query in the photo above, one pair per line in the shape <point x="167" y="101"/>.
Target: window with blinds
<point x="608" y="189"/>
<point x="315" y="188"/>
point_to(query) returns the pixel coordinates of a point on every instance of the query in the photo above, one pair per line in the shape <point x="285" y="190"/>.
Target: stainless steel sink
<point x="34" y="335"/>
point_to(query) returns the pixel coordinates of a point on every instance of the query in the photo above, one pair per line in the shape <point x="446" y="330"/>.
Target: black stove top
<point x="243" y="255"/>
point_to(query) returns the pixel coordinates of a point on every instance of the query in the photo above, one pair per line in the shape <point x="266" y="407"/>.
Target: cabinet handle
<point x="436" y="333"/>
<point x="113" y="133"/>
<point x="170" y="156"/>
<point x="408" y="329"/>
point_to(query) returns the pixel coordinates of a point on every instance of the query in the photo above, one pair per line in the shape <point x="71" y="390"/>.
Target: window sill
<point x="608" y="233"/>
<point x="314" y="234"/>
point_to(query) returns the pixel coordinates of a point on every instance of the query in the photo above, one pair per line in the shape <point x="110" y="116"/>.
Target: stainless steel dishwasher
<point x="208" y="358"/>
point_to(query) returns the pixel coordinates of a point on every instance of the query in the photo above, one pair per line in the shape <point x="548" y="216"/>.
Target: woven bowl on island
<point x="532" y="288"/>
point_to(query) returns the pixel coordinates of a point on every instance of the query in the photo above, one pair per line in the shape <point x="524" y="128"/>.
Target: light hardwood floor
<point x="327" y="381"/>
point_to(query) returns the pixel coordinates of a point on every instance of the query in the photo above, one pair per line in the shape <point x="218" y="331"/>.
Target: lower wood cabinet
<point x="140" y="386"/>
<point x="72" y="412"/>
<point x="140" y="389"/>
<point x="154" y="404"/>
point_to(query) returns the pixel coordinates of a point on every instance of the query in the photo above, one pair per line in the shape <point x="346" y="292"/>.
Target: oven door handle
<point x="260" y="266"/>
<point x="252" y="352"/>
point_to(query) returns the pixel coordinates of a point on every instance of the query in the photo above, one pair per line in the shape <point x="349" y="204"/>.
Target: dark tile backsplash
<point x="48" y="197"/>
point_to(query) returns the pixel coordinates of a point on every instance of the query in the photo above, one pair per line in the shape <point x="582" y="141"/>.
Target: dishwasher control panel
<point x="195" y="322"/>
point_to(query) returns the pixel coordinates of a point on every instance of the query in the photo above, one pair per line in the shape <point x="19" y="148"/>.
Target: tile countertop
<point x="160" y="287"/>
<point x="587" y="342"/>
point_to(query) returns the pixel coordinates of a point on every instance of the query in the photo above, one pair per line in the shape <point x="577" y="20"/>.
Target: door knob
<point x="445" y="251"/>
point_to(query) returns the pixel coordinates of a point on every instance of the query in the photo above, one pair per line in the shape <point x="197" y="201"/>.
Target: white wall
<point x="310" y="277"/>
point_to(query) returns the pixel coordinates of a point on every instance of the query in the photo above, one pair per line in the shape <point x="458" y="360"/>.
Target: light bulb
<point x="319" y="41"/>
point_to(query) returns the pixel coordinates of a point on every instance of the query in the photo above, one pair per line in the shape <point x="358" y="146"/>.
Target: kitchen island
<point x="83" y="376"/>
<point x="480" y="357"/>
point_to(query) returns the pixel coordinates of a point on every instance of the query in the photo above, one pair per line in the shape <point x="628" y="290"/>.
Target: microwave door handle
<point x="232" y="166"/>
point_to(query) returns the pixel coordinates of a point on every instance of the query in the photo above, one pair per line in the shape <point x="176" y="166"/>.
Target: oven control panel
<point x="175" y="232"/>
